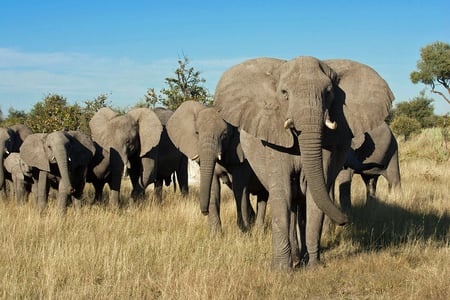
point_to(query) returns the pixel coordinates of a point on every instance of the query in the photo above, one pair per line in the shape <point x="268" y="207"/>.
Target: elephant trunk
<point x="310" y="141"/>
<point x="62" y="157"/>
<point x="209" y="151"/>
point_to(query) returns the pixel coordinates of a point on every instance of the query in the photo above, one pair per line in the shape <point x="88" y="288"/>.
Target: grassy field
<point x="395" y="248"/>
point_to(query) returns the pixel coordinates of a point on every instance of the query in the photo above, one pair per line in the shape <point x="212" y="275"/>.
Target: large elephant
<point x="11" y="139"/>
<point x="324" y="104"/>
<point x="202" y="134"/>
<point x="61" y="156"/>
<point x="129" y="140"/>
<point x="376" y="155"/>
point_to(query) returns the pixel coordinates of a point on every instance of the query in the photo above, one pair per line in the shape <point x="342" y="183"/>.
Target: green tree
<point x="53" y="113"/>
<point x="186" y="85"/>
<point x="434" y="67"/>
<point x="406" y="126"/>
<point x="14" y="117"/>
<point x="89" y="109"/>
<point x="420" y="108"/>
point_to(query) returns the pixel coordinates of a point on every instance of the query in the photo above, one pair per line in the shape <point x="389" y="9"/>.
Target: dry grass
<point x="396" y="248"/>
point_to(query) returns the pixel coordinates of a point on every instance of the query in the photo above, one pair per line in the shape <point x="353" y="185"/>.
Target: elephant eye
<point x="285" y="94"/>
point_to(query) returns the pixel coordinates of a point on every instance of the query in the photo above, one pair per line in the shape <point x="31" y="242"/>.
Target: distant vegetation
<point x="55" y="113"/>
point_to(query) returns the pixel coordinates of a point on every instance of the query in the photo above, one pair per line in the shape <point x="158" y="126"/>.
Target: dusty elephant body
<point x="11" y="138"/>
<point x="319" y="102"/>
<point x="202" y="134"/>
<point x="60" y="156"/>
<point x="128" y="140"/>
<point x="373" y="154"/>
<point x="16" y="172"/>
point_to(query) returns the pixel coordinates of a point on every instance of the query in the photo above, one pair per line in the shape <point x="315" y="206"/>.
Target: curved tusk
<point x="289" y="123"/>
<point x="195" y="157"/>
<point x="330" y="125"/>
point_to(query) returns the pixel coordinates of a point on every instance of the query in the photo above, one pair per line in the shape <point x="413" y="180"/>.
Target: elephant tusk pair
<point x="289" y="123"/>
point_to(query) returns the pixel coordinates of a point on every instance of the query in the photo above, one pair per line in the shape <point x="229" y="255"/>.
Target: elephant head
<point x="200" y="133"/>
<point x="127" y="138"/>
<point x="321" y="102"/>
<point x="59" y="153"/>
<point x="11" y="139"/>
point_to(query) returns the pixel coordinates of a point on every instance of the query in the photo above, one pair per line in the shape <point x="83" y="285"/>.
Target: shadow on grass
<point x="379" y="225"/>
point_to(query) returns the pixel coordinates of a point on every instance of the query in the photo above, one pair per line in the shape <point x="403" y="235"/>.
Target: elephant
<point x="11" y="139"/>
<point x="297" y="119"/>
<point x="17" y="173"/>
<point x="376" y="155"/>
<point x="201" y="133"/>
<point x="129" y="140"/>
<point x="171" y="161"/>
<point x="62" y="157"/>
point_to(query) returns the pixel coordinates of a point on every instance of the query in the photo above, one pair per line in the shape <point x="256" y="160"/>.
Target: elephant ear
<point x="182" y="129"/>
<point x="99" y="126"/>
<point x="82" y="148"/>
<point x="21" y="131"/>
<point x="246" y="98"/>
<point x="163" y="114"/>
<point x="364" y="96"/>
<point x="32" y="151"/>
<point x="150" y="128"/>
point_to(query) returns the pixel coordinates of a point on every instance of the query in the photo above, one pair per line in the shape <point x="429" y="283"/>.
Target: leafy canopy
<point x="186" y="85"/>
<point x="434" y="67"/>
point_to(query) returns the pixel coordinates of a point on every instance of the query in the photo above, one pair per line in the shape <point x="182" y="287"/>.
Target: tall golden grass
<point x="396" y="247"/>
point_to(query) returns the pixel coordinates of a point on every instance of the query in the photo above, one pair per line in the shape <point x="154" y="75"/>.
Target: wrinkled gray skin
<point x="265" y="96"/>
<point x="128" y="140"/>
<point x="61" y="156"/>
<point x="202" y="134"/>
<point x="11" y="139"/>
<point x="373" y="154"/>
<point x="17" y="172"/>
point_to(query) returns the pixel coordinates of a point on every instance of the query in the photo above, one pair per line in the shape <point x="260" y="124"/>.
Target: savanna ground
<point x="395" y="248"/>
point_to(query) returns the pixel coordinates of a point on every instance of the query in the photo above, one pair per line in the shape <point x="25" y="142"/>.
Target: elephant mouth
<point x="289" y="123"/>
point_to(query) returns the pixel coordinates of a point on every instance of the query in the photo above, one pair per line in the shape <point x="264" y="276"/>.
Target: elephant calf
<point x="16" y="172"/>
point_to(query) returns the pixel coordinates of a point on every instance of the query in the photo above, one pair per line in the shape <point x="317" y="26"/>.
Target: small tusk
<point x="289" y="123"/>
<point x="219" y="156"/>
<point x="331" y="125"/>
<point x="195" y="157"/>
<point x="6" y="151"/>
<point x="69" y="158"/>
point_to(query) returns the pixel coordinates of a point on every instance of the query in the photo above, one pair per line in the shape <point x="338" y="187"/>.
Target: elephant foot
<point x="314" y="263"/>
<point x="281" y="266"/>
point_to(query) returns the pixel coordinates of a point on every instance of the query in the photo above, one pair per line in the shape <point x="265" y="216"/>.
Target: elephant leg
<point x="158" y="191"/>
<point x="117" y="167"/>
<point x="345" y="187"/>
<point x="42" y="191"/>
<point x="261" y="205"/>
<point x="313" y="230"/>
<point x="371" y="187"/>
<point x="215" y="224"/>
<point x="182" y="176"/>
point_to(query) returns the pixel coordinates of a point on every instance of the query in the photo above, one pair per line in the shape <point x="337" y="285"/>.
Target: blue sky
<point x="81" y="49"/>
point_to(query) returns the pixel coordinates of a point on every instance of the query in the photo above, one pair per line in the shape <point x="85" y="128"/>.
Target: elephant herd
<point x="279" y="129"/>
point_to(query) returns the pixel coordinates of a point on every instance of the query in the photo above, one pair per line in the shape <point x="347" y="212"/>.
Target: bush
<point x="405" y="126"/>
